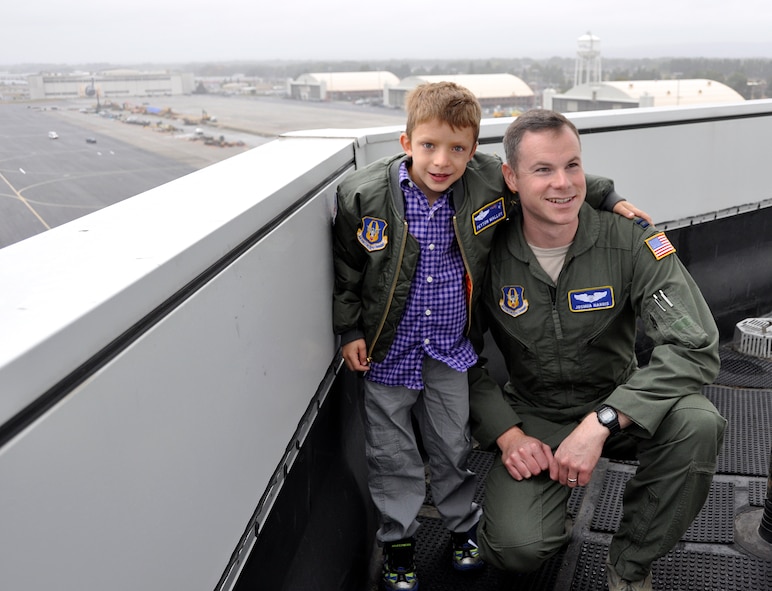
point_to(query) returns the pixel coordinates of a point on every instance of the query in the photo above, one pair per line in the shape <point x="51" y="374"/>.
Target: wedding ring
<point x="572" y="480"/>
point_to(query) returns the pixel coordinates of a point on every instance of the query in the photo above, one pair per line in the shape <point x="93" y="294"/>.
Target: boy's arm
<point x="601" y="195"/>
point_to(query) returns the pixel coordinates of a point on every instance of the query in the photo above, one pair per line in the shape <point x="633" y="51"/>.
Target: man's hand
<point x="523" y="456"/>
<point x="628" y="210"/>
<point x="578" y="454"/>
<point x="355" y="355"/>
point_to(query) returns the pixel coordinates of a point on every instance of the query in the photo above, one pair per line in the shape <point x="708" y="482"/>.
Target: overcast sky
<point x="78" y="31"/>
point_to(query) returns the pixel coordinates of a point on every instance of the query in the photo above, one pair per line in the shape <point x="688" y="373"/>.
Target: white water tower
<point x="587" y="60"/>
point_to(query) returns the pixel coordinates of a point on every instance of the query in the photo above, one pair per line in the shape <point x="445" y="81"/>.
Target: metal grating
<point x="590" y="573"/>
<point x="575" y="500"/>
<point x="480" y="463"/>
<point x="743" y="370"/>
<point x="682" y="570"/>
<point x="713" y="524"/>
<point x="748" y="437"/>
<point x="757" y="492"/>
<point x="608" y="510"/>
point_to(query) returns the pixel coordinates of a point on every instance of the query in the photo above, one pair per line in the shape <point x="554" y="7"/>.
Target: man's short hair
<point x="446" y="102"/>
<point x="534" y="120"/>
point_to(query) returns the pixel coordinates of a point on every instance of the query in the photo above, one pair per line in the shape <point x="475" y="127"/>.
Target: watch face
<point x="606" y="415"/>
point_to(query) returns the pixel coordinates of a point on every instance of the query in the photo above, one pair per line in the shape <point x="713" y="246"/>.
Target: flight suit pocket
<point x="667" y="321"/>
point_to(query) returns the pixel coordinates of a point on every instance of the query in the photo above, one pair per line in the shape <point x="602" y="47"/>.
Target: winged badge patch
<point x="591" y="299"/>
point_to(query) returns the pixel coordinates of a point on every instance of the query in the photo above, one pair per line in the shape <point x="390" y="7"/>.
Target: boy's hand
<point x="355" y="355"/>
<point x="628" y="210"/>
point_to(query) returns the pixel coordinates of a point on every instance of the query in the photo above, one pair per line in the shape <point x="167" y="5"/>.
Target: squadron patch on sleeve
<point x="488" y="215"/>
<point x="372" y="234"/>
<point x="660" y="246"/>
<point x="512" y="301"/>
<point x="591" y="299"/>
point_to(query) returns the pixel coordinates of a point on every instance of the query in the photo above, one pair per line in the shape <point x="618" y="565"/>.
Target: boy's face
<point x="440" y="155"/>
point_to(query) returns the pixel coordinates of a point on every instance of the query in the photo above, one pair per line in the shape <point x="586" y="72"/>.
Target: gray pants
<point x="396" y="476"/>
<point x="524" y="521"/>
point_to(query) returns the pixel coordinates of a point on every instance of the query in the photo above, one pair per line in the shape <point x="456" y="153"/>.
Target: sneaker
<point x="398" y="572"/>
<point x="616" y="583"/>
<point x="465" y="553"/>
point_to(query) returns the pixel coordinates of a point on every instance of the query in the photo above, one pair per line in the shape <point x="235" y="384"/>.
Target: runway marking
<point x="21" y="198"/>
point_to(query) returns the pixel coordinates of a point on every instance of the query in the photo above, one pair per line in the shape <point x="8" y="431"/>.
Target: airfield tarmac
<point x="48" y="182"/>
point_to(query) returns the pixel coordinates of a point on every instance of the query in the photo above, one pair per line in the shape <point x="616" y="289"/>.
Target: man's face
<point x="551" y="184"/>
<point x="440" y="155"/>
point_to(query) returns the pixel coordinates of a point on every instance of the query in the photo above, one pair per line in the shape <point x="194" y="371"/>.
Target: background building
<point x="111" y="83"/>
<point x="500" y="93"/>
<point x="630" y="94"/>
<point x="592" y="93"/>
<point x="341" y="86"/>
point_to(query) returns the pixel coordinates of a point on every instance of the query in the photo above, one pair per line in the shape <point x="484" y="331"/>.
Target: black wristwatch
<point x="609" y="418"/>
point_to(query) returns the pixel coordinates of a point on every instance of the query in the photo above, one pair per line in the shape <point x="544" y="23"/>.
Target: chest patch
<point x="488" y="215"/>
<point x="372" y="234"/>
<point x="589" y="300"/>
<point x="513" y="301"/>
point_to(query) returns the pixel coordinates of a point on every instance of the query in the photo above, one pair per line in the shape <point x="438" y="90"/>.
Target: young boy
<point x="411" y="240"/>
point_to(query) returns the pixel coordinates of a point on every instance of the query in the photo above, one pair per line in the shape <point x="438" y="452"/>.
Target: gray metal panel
<point x="146" y="475"/>
<point x="89" y="280"/>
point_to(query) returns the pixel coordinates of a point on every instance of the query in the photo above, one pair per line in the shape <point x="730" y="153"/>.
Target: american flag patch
<point x="660" y="246"/>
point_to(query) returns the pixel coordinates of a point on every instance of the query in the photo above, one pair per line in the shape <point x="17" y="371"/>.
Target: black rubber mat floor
<point x="713" y="555"/>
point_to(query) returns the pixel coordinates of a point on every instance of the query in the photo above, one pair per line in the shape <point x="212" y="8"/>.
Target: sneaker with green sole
<point x="465" y="553"/>
<point x="399" y="573"/>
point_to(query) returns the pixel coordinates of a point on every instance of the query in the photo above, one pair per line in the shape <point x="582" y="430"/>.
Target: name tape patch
<point x="488" y="215"/>
<point x="591" y="299"/>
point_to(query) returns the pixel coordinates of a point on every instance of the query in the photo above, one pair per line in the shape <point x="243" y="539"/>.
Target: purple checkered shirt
<point x="435" y="314"/>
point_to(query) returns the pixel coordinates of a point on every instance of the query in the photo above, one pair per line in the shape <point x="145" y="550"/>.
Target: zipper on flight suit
<point x="391" y="293"/>
<point x="555" y="315"/>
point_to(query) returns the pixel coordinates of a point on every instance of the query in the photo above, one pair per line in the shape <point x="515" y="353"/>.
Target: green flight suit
<point x="569" y="347"/>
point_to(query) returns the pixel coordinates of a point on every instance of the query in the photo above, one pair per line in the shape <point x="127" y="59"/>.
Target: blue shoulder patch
<point x="641" y="222"/>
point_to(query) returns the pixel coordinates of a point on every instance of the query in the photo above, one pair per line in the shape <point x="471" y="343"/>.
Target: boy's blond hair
<point x="446" y="102"/>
